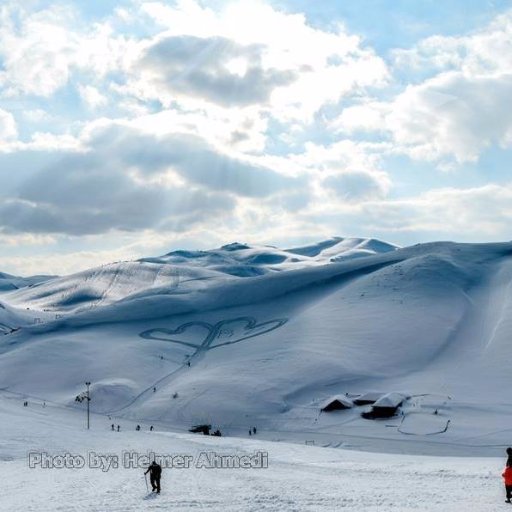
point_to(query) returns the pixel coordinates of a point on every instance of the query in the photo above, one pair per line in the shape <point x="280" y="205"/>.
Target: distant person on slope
<point x="155" y="472"/>
<point x="509" y="457"/>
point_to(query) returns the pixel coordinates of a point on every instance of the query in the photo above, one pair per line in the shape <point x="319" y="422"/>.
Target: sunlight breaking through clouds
<point x="247" y="119"/>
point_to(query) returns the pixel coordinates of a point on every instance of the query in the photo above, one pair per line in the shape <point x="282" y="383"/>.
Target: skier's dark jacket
<point x="155" y="470"/>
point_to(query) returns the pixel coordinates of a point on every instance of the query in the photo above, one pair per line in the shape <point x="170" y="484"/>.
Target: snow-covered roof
<point x="370" y="396"/>
<point x="390" y="400"/>
<point x="342" y="399"/>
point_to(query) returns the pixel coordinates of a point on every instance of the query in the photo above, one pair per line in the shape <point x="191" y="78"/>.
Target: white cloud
<point x="462" y="214"/>
<point x="298" y="68"/>
<point x="35" y="54"/>
<point x="450" y="116"/>
<point x="40" y="50"/>
<point x="485" y="52"/>
<point x="458" y="112"/>
<point x="92" y="97"/>
<point x="8" y="129"/>
<point x="453" y="115"/>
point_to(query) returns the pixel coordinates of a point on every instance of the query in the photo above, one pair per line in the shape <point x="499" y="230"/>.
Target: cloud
<point x="458" y="103"/>
<point x="192" y="158"/>
<point x="8" y="128"/>
<point x="358" y="185"/>
<point x="91" y="96"/>
<point x="35" y="53"/>
<point x="450" y="116"/>
<point x="460" y="213"/>
<point x="453" y="115"/>
<point x="483" y="52"/>
<point x="85" y="197"/>
<point x="257" y="55"/>
<point x="42" y="50"/>
<point x="127" y="180"/>
<point x="216" y="69"/>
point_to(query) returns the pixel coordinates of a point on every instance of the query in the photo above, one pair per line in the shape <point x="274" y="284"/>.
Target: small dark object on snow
<point x="137" y="428"/>
<point x="118" y="428"/>
<point x="204" y="429"/>
<point x="217" y="433"/>
<point x="151" y="428"/>
<point x="113" y="428"/>
<point x="254" y="430"/>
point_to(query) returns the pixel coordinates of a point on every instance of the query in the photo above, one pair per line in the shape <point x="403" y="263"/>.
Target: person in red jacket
<point x="507" y="475"/>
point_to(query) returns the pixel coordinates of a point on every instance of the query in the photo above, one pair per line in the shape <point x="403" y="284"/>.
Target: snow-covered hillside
<point x="9" y="282"/>
<point x="245" y="335"/>
<point x="190" y="270"/>
<point x="301" y="478"/>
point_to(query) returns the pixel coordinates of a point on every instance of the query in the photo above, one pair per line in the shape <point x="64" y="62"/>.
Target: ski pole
<point x="146" y="480"/>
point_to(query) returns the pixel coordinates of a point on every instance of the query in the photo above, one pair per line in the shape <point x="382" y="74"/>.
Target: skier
<point x="154" y="390"/>
<point x="155" y="471"/>
<point x="113" y="428"/>
<point x="151" y="428"/>
<point x="118" y="428"/>
<point x="254" y="430"/>
<point x="137" y="428"/>
<point x="509" y="456"/>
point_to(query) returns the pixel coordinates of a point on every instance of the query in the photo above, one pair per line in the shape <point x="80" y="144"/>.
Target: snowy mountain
<point x="247" y="335"/>
<point x="9" y="282"/>
<point x="191" y="270"/>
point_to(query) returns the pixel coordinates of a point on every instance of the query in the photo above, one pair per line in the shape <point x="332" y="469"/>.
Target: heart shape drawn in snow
<point x="225" y="332"/>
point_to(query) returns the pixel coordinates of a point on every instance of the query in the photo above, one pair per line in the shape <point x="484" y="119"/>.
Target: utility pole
<point x="88" y="400"/>
<point x="85" y="396"/>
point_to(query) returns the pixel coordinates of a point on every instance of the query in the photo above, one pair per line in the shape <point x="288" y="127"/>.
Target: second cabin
<point x="385" y="407"/>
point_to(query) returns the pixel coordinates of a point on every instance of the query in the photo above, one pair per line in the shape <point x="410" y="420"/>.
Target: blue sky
<point x="131" y="128"/>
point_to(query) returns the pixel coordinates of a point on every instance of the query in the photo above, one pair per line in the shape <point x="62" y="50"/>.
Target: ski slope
<point x="298" y="477"/>
<point x="201" y="337"/>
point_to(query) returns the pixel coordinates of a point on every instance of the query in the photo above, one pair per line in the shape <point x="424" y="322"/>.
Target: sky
<point x="131" y="128"/>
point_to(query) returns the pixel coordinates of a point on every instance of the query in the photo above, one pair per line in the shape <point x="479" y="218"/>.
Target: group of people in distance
<point x="137" y="428"/>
